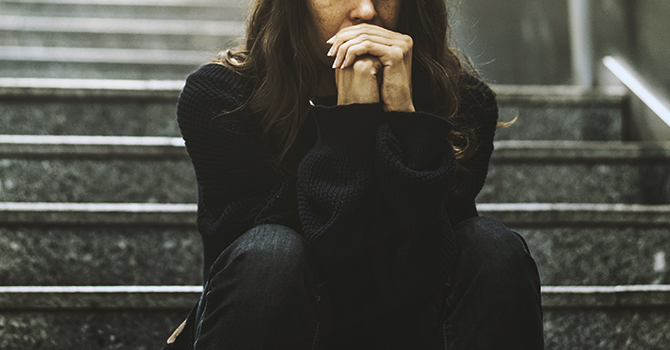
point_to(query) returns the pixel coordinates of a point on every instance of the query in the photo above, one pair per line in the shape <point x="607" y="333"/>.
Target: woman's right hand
<point x="359" y="82"/>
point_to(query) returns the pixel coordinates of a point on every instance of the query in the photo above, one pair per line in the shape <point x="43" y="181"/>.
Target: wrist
<point x="399" y="100"/>
<point x="347" y="99"/>
<point x="400" y="108"/>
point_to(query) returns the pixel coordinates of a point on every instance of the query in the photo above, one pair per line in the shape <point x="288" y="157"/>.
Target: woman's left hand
<point x="394" y="51"/>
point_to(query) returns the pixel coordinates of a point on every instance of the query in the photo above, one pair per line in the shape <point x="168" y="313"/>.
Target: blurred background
<point x="528" y="42"/>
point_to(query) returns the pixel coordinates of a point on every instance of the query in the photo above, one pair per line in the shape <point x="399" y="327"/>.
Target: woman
<point x="338" y="155"/>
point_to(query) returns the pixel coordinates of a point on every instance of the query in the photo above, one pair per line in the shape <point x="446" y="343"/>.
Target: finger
<point x="352" y="32"/>
<point x="341" y="51"/>
<point x="387" y="54"/>
<point x="359" y="49"/>
<point x="339" y="44"/>
<point x="341" y="39"/>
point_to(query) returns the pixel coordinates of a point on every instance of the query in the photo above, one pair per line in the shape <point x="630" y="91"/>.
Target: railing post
<point x="581" y="42"/>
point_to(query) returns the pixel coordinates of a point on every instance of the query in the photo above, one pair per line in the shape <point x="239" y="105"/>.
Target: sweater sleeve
<point x="479" y="108"/>
<point x="237" y="186"/>
<point x="379" y="179"/>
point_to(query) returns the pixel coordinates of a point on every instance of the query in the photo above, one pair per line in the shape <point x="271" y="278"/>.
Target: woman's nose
<point x="363" y="11"/>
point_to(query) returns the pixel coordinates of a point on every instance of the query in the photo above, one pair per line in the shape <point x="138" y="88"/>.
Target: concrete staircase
<point x="594" y="210"/>
<point x="98" y="248"/>
<point x="160" y="39"/>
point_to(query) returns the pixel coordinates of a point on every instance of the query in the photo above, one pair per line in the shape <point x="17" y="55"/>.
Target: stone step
<point x="582" y="244"/>
<point x="157" y="297"/>
<point x="86" y="106"/>
<point x="157" y="169"/>
<point x="82" y="106"/>
<point x="575" y="317"/>
<point x="604" y="318"/>
<point x="98" y="63"/>
<point x="185" y="10"/>
<point x="99" y="244"/>
<point x="71" y="243"/>
<point x="95" y="169"/>
<point x="562" y="113"/>
<point x="120" y="33"/>
<point x="106" y="330"/>
<point x="578" y="172"/>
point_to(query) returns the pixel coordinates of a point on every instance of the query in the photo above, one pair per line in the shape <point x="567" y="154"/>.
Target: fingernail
<point x="334" y="65"/>
<point x="330" y="52"/>
<point x="330" y="41"/>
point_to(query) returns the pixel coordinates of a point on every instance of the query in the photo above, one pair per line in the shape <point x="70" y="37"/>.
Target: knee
<point x="491" y="250"/>
<point x="265" y="253"/>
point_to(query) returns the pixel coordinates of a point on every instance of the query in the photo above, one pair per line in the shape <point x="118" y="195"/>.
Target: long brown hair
<point x="278" y="55"/>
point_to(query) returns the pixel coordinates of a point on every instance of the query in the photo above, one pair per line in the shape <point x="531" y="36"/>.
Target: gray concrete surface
<point x="587" y="181"/>
<point x="43" y="68"/>
<point x="62" y="116"/>
<point x="191" y="10"/>
<point x="97" y="180"/>
<point x="184" y="41"/>
<point x="606" y="329"/>
<point x="584" y="254"/>
<point x="129" y="254"/>
<point x="561" y="123"/>
<point x="88" y="330"/>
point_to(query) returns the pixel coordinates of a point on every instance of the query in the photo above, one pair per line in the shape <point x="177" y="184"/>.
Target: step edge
<point x="131" y="26"/>
<point x="82" y="89"/>
<point x="75" y="214"/>
<point x="72" y="83"/>
<point x="91" y="140"/>
<point x="514" y="151"/>
<point x="574" y="207"/>
<point x="98" y="207"/>
<point x="578" y="151"/>
<point x="562" y="94"/>
<point x="513" y="214"/>
<point x="179" y="3"/>
<point x="86" y="84"/>
<point x="72" y="146"/>
<point x="577" y="214"/>
<point x="184" y="207"/>
<point x="128" y="85"/>
<point x="121" y="56"/>
<point x="161" y="297"/>
<point x="125" y="289"/>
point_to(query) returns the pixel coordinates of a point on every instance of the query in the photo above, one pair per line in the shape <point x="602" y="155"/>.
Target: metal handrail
<point x="639" y="87"/>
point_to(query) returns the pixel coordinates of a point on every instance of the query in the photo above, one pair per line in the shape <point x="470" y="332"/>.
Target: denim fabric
<point x="265" y="292"/>
<point x="262" y="293"/>
<point x="494" y="300"/>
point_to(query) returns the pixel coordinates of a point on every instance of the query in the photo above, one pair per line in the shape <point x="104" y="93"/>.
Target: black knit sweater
<point x="372" y="195"/>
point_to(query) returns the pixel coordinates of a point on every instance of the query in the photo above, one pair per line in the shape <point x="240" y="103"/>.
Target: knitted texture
<point x="372" y="194"/>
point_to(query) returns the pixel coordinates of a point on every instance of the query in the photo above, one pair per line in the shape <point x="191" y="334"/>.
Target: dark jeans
<point x="264" y="292"/>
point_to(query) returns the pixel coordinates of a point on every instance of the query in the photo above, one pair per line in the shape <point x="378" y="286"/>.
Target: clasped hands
<point x="373" y="64"/>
